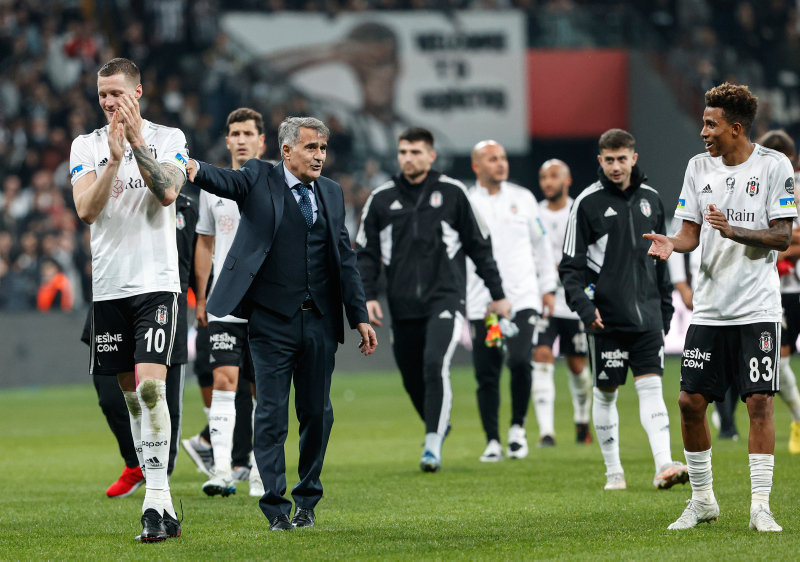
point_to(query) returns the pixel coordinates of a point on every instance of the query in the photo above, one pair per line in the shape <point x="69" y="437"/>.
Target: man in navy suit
<point x="289" y="270"/>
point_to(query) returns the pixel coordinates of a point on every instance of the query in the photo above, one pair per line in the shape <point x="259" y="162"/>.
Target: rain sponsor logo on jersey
<point x="739" y="216"/>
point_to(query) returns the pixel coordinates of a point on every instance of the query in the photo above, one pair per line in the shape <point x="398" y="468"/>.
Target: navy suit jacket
<point x="259" y="188"/>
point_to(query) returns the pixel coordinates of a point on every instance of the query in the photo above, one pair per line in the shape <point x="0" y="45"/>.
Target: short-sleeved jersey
<point x="555" y="224"/>
<point x="219" y="218"/>
<point x="737" y="284"/>
<point x="134" y="250"/>
<point x="790" y="283"/>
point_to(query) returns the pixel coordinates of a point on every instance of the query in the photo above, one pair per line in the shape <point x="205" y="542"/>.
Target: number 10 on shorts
<point x="755" y="374"/>
<point x="161" y="340"/>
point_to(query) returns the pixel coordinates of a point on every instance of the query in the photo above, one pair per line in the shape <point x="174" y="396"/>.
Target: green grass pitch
<point x="57" y="456"/>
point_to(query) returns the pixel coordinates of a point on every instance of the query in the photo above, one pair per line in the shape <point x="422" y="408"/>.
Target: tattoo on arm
<point x="776" y="237"/>
<point x="160" y="177"/>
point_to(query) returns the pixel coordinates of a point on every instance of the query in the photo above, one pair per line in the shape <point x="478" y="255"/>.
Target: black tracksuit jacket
<point x="422" y="234"/>
<point x="605" y="263"/>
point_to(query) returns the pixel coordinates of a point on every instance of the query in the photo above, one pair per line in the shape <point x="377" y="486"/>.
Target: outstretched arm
<point x="685" y="240"/>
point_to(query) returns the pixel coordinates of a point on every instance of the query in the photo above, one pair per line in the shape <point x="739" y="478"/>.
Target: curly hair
<point x="737" y="103"/>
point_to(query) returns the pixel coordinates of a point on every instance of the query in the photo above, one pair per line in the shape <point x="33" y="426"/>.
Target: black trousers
<point x="488" y="362"/>
<point x="299" y="349"/>
<point x="112" y="402"/>
<point x="423" y="349"/>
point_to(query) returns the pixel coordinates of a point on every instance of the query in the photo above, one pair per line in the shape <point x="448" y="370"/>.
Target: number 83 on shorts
<point x="746" y="355"/>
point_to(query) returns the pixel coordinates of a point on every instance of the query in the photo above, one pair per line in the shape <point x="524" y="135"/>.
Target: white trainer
<point x="256" y="485"/>
<point x="493" y="452"/>
<point x="615" y="481"/>
<point x="761" y="519"/>
<point x="696" y="512"/>
<point x="221" y="484"/>
<point x="517" y="442"/>
<point x="670" y="474"/>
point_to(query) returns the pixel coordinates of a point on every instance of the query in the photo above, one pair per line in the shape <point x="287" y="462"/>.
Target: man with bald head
<point x="525" y="261"/>
<point x="565" y="325"/>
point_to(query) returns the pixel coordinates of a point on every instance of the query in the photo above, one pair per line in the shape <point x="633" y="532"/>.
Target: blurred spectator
<point x="55" y="290"/>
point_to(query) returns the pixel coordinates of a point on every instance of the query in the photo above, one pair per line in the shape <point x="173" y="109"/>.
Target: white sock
<point x="135" y="414"/>
<point x="654" y="418"/>
<point x="433" y="443"/>
<point x="156" y="427"/>
<point x="788" y="389"/>
<point x="221" y="420"/>
<point x="700" y="478"/>
<point x="761" y="468"/>
<point x="254" y="474"/>
<point x="606" y="426"/>
<point x="206" y="410"/>
<point x="544" y="398"/>
<point x="580" y="386"/>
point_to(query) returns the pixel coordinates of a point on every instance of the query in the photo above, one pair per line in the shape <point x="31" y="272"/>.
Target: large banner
<point x="462" y="75"/>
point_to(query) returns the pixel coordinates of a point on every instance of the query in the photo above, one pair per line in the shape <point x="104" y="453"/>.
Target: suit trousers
<point x="299" y="349"/>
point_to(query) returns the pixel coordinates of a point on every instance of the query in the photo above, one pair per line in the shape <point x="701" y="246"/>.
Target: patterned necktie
<point x="305" y="203"/>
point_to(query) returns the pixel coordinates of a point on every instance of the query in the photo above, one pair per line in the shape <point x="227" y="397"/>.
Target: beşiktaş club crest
<point x="180" y="222"/>
<point x="514" y="208"/>
<point x="730" y="185"/>
<point x="765" y="342"/>
<point x="436" y="199"/>
<point x="644" y="205"/>
<point x="752" y="187"/>
<point x="162" y="315"/>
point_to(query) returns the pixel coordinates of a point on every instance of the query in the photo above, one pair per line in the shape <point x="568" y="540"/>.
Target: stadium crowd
<point x="194" y="77"/>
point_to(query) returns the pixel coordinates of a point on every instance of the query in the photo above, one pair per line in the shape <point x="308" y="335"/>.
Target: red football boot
<point x="129" y="481"/>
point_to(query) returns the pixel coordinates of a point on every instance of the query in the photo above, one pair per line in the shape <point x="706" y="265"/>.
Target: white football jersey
<point x="555" y="223"/>
<point x="219" y="218"/>
<point x="134" y="250"/>
<point x="737" y="284"/>
<point x="519" y="246"/>
<point x="791" y="283"/>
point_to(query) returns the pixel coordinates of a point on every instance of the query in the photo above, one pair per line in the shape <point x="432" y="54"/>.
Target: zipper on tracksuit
<point x="414" y="223"/>
<point x="635" y="263"/>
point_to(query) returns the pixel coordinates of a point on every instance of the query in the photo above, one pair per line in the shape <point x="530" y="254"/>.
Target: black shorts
<point x="229" y="347"/>
<point x="133" y="330"/>
<point x="572" y="338"/>
<point x="714" y="357"/>
<point x="790" y="328"/>
<point x="612" y="353"/>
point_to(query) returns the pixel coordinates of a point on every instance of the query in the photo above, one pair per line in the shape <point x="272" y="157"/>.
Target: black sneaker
<point x="583" y="436"/>
<point x="172" y="526"/>
<point x="546" y="441"/>
<point x="152" y="527"/>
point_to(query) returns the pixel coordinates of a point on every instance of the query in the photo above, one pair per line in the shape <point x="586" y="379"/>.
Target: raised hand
<point x="116" y="139"/>
<point x="661" y="248"/>
<point x="132" y="118"/>
<point x="717" y="220"/>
